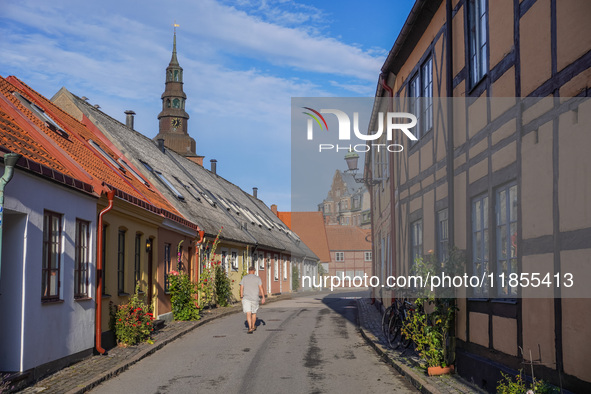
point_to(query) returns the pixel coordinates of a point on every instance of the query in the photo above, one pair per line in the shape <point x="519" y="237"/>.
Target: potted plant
<point x="432" y="331"/>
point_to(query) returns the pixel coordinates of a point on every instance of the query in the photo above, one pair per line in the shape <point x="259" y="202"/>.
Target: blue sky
<point x="243" y="61"/>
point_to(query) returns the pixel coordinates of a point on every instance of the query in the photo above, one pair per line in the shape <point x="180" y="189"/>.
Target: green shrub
<point x="520" y="386"/>
<point x="223" y="290"/>
<point x="182" y="296"/>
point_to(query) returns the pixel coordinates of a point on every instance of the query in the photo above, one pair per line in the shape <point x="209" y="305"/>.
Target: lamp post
<point x="10" y="160"/>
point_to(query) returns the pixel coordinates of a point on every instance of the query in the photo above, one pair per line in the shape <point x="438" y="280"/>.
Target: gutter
<point x="99" y="274"/>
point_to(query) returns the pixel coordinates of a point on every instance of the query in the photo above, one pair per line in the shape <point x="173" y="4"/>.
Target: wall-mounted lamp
<point x="352" y="158"/>
<point x="148" y="245"/>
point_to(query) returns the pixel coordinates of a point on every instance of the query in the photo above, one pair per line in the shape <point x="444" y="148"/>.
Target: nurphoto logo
<point x="402" y="121"/>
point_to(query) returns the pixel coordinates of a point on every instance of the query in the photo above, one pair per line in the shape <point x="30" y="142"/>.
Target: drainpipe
<point x="99" y="273"/>
<point x="10" y="160"/>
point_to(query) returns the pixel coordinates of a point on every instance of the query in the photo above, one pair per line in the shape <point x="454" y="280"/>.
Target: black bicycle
<point x="394" y="336"/>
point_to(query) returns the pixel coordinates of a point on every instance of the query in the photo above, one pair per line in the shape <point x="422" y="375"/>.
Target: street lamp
<point x="351" y="159"/>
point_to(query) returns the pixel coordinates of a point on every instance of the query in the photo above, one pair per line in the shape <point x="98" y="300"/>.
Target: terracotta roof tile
<point x="16" y="140"/>
<point x="75" y="153"/>
<point x="348" y="238"/>
<point x="309" y="226"/>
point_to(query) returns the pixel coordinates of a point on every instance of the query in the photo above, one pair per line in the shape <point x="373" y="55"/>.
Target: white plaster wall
<point x="55" y="330"/>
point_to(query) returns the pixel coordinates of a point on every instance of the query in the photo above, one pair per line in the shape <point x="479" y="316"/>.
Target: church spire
<point x="174" y="61"/>
<point x="173" y="119"/>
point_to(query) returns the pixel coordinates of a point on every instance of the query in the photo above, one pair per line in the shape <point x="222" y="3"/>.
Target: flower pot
<point x="436" y="371"/>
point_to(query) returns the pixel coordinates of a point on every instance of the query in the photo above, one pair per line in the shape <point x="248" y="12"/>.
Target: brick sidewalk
<point x="406" y="361"/>
<point x="89" y="373"/>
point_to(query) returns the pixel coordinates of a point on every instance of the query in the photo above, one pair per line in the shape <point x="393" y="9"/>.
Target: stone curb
<point x="90" y="384"/>
<point x="416" y="380"/>
<point x="419" y="381"/>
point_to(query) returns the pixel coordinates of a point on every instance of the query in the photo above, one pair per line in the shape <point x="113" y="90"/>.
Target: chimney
<point x="129" y="118"/>
<point x="255" y="192"/>
<point x="274" y="208"/>
<point x="161" y="144"/>
<point x="213" y="166"/>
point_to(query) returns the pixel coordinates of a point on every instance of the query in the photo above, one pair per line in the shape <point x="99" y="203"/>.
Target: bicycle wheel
<point x="386" y="320"/>
<point x="394" y="329"/>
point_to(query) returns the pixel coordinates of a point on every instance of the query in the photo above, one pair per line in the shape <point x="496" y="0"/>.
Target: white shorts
<point x="250" y="306"/>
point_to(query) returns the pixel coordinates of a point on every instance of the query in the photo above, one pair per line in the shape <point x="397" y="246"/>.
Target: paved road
<point x="304" y="345"/>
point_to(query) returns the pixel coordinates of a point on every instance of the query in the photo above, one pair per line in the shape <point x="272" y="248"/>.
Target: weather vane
<point x="175" y="26"/>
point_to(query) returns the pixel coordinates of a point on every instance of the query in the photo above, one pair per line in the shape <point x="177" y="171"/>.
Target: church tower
<point x="173" y="119"/>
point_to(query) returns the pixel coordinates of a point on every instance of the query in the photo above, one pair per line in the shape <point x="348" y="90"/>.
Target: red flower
<point x="119" y="319"/>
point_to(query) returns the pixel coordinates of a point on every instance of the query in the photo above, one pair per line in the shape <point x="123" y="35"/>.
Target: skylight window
<point x="135" y="174"/>
<point x="107" y="156"/>
<point x="42" y="115"/>
<point x="204" y="195"/>
<point x="147" y="166"/>
<point x="170" y="186"/>
<point x="192" y="192"/>
<point x="224" y="203"/>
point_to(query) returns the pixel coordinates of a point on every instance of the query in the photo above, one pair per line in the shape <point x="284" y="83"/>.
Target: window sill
<point x="52" y="301"/>
<point x="106" y="296"/>
<point x="123" y="294"/>
<point x="83" y="298"/>
<point x="505" y="300"/>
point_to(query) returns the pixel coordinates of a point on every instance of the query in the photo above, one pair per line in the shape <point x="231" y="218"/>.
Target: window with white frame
<point x="480" y="257"/>
<point x="506" y="235"/>
<point x="82" y="259"/>
<point x="285" y="264"/>
<point x="234" y="260"/>
<point x="339" y="256"/>
<point x="416" y="235"/>
<point x="52" y="253"/>
<point x="420" y="92"/>
<point x="261" y="262"/>
<point x="367" y="256"/>
<point x="276" y="268"/>
<point x="477" y="40"/>
<point x="224" y="260"/>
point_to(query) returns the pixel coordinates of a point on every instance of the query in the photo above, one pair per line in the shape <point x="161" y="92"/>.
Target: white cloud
<point x="242" y="64"/>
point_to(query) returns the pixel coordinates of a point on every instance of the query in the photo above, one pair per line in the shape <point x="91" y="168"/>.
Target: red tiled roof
<point x="309" y="226"/>
<point x="16" y="140"/>
<point x="348" y="238"/>
<point x="74" y="155"/>
<point x="69" y="159"/>
<point x="285" y="217"/>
